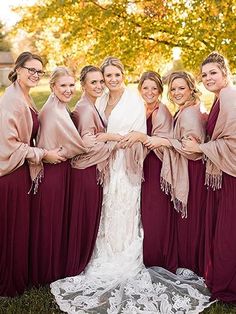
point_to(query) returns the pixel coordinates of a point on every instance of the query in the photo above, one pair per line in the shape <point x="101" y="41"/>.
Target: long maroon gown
<point x="14" y="227"/>
<point x="220" y="251"/>
<point x="190" y="230"/>
<point x="49" y="225"/>
<point x="84" y="217"/>
<point x="158" y="216"/>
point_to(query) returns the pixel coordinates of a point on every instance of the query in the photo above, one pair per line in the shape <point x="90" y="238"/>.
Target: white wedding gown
<point x="116" y="281"/>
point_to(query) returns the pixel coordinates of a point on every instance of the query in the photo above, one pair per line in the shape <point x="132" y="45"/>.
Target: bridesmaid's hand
<point x="101" y="137"/>
<point x="104" y="137"/>
<point x="53" y="156"/>
<point x="153" y="142"/>
<point x="191" y="145"/>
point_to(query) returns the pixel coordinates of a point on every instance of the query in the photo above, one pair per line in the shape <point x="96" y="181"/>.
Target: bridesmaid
<point x="183" y="173"/>
<point x="18" y="128"/>
<point x="158" y="218"/>
<point x="49" y="219"/>
<point x="220" y="154"/>
<point x="85" y="192"/>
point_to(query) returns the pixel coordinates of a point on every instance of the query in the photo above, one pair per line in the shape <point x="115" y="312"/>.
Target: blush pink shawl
<point x="174" y="173"/>
<point x="89" y="123"/>
<point x="16" y="126"/>
<point x="220" y="151"/>
<point x="57" y="130"/>
<point x="162" y="126"/>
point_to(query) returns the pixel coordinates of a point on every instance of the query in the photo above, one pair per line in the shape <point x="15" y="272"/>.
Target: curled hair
<point x="85" y="70"/>
<point x="20" y="62"/>
<point x="59" y="72"/>
<point x="153" y="76"/>
<point x="112" y="61"/>
<point x="221" y="62"/>
<point x="189" y="79"/>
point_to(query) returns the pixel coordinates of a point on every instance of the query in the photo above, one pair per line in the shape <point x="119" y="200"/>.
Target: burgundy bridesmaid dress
<point x="220" y="247"/>
<point x="190" y="230"/>
<point x="49" y="225"/>
<point x="158" y="216"/>
<point x="14" y="227"/>
<point x="84" y="217"/>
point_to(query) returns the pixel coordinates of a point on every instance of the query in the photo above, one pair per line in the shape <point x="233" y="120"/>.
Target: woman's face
<point x="64" y="88"/>
<point x="29" y="74"/>
<point x="150" y="92"/>
<point x="94" y="85"/>
<point x="113" y="78"/>
<point x="212" y="78"/>
<point x="179" y="91"/>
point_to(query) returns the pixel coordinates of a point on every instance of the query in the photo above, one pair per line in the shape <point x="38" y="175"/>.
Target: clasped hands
<point x="54" y="156"/>
<point x="190" y="144"/>
<point x="129" y="139"/>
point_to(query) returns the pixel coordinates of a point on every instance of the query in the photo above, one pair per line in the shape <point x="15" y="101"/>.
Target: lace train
<point x="116" y="281"/>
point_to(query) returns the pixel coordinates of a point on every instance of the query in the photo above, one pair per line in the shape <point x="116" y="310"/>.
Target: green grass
<point x="41" y="301"/>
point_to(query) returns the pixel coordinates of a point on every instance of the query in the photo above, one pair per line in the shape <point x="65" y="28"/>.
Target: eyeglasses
<point x="32" y="71"/>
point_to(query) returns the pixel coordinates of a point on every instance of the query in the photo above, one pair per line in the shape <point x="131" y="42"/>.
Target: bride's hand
<point x="132" y="138"/>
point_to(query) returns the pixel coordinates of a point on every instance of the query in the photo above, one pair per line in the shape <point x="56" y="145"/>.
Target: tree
<point x="4" y="44"/>
<point x="141" y="33"/>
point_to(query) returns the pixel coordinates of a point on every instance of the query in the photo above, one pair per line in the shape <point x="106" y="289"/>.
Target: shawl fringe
<point x="103" y="173"/>
<point x="35" y="183"/>
<point x="179" y="206"/>
<point x="214" y="181"/>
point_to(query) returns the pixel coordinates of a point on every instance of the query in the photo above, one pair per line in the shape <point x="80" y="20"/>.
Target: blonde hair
<point x="153" y="76"/>
<point x="59" y="72"/>
<point x="189" y="79"/>
<point x="221" y="62"/>
<point x="112" y="61"/>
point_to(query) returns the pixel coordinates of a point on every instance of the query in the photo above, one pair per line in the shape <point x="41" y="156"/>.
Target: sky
<point x="8" y="17"/>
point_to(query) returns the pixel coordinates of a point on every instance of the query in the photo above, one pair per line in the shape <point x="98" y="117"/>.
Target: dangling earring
<point x="18" y="77"/>
<point x="53" y="95"/>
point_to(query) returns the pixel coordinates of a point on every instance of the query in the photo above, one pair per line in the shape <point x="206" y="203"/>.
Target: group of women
<point x="119" y="205"/>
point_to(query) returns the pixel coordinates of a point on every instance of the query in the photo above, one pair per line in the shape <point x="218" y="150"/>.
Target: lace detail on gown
<point x="116" y="281"/>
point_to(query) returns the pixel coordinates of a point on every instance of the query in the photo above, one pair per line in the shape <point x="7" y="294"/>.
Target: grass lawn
<point x="40" y="301"/>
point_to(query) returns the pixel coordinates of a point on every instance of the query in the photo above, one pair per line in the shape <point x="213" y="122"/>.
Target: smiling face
<point x="94" y="85"/>
<point x="180" y="91"/>
<point x="113" y="78"/>
<point x="213" y="78"/>
<point x="27" y="79"/>
<point x="150" y="92"/>
<point x="64" y="88"/>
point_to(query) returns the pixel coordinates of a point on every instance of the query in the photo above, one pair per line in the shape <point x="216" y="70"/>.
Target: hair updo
<point x="59" y="72"/>
<point x="85" y="70"/>
<point x="221" y="62"/>
<point x="189" y="79"/>
<point x="153" y="76"/>
<point x="20" y="61"/>
<point x="114" y="62"/>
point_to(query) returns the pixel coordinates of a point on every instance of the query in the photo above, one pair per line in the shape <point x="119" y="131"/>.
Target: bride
<point x="115" y="280"/>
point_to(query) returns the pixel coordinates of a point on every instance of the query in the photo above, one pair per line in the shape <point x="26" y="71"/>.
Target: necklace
<point x="112" y="104"/>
